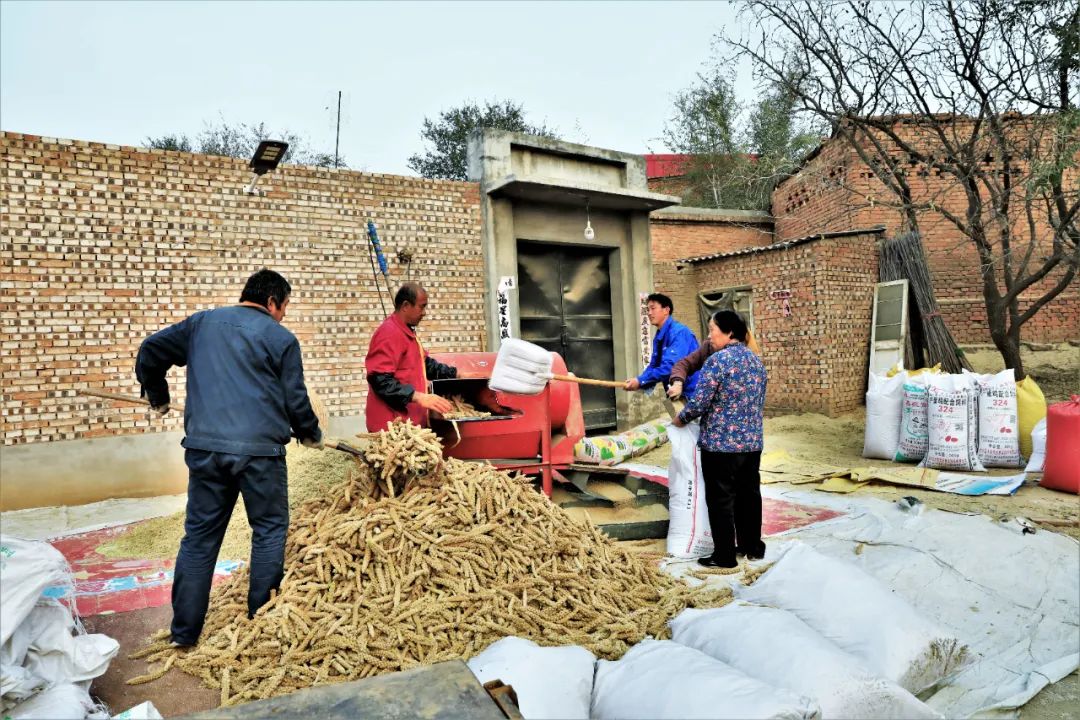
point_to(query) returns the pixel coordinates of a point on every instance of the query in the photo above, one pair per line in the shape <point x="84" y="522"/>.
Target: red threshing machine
<point x="533" y="434"/>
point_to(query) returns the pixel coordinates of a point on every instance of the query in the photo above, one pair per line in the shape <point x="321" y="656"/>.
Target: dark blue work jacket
<point x="245" y="381"/>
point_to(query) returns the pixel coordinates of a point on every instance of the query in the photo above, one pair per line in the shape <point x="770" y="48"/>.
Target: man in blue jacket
<point x="245" y="399"/>
<point x="672" y="343"/>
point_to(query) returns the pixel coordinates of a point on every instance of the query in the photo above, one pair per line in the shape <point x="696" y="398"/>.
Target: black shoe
<point x="750" y="555"/>
<point x="717" y="563"/>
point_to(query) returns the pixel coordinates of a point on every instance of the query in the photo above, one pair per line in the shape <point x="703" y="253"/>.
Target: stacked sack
<point x="951" y="422"/>
<point x="47" y="660"/>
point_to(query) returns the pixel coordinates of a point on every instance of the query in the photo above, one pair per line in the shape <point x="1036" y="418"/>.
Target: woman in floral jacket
<point x="730" y="400"/>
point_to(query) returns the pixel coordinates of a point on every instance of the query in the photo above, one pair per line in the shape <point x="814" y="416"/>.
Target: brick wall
<point x="835" y="191"/>
<point x="103" y="245"/>
<point x="679" y="233"/>
<point x="817" y="358"/>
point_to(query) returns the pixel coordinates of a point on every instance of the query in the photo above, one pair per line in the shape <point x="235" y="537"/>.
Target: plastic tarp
<point x="1012" y="598"/>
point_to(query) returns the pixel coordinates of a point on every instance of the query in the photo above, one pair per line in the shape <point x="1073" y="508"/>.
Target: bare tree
<point x="981" y="93"/>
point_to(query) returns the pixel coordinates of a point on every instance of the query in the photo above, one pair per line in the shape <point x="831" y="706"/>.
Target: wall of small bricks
<point x="104" y="245"/>
<point x="817" y="358"/>
<point x="677" y="236"/>
<point x="836" y="191"/>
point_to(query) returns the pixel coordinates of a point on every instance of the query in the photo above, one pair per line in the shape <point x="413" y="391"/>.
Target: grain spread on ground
<point x="466" y="555"/>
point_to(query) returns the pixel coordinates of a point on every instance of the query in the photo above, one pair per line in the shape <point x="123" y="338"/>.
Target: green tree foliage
<point x="240" y="140"/>
<point x="446" y="137"/>
<point x="737" y="153"/>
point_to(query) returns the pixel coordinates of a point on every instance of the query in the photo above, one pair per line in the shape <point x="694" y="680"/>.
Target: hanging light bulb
<point x="589" y="233"/>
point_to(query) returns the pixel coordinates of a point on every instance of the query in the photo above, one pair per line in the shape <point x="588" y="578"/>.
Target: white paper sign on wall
<point x="502" y="300"/>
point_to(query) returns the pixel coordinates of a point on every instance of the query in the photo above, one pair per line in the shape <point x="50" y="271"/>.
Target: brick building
<point x="835" y="191"/>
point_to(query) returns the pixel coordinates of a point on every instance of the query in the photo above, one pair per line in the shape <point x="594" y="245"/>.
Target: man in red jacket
<point x="398" y="368"/>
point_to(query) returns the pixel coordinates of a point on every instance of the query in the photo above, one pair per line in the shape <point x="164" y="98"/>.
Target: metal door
<point x="564" y="300"/>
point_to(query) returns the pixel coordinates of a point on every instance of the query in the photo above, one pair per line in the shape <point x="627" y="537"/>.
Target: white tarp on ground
<point x="1013" y="598"/>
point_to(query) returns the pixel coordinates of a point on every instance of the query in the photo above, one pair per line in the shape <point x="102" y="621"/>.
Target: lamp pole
<point x="337" y="133"/>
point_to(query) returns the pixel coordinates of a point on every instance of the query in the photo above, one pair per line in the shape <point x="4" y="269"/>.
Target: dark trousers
<point x="733" y="494"/>
<point x="214" y="481"/>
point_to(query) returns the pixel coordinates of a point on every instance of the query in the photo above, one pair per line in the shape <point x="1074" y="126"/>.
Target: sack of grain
<point x="688" y="526"/>
<point x="861" y="616"/>
<point x="751" y="638"/>
<point x="884" y="412"/>
<point x="550" y="682"/>
<point x="952" y="412"/>
<point x="913" y="441"/>
<point x="660" y="679"/>
<point x="999" y="429"/>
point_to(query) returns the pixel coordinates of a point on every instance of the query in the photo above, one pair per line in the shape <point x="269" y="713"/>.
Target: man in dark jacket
<point x="398" y="367"/>
<point x="245" y="398"/>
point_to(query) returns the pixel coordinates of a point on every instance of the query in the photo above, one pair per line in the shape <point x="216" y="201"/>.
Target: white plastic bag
<point x="1038" y="448"/>
<point x="884" y="411"/>
<point x="550" y="682"/>
<point x="860" y="615"/>
<point x="59" y="656"/>
<point x="26" y="569"/>
<point x="751" y="638"/>
<point x="662" y="679"/>
<point x="911" y="446"/>
<point x="688" y="527"/>
<point x="65" y="701"/>
<point x="952" y="413"/>
<point x="999" y="426"/>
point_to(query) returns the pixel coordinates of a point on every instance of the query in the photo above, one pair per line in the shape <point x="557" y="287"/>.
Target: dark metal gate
<point x="564" y="297"/>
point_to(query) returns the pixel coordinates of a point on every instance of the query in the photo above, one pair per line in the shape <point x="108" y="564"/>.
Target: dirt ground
<point x="1055" y="369"/>
<point x="175" y="694"/>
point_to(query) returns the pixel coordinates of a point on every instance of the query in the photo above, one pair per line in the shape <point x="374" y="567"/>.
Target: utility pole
<point x="337" y="133"/>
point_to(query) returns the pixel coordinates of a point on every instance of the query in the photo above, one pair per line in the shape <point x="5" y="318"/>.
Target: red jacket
<point x="394" y="349"/>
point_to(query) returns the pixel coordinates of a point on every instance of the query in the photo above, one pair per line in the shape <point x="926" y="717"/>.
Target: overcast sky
<point x="603" y="73"/>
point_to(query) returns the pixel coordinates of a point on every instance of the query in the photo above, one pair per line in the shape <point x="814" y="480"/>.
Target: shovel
<point x="525" y="369"/>
<point x="125" y="398"/>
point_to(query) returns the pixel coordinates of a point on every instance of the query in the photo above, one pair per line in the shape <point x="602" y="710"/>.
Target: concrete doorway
<point x="564" y="297"/>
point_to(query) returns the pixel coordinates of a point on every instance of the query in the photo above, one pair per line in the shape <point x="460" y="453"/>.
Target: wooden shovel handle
<point x="589" y="381"/>
<point x="125" y="398"/>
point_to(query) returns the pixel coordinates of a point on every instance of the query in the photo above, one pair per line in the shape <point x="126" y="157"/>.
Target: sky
<point x="601" y="73"/>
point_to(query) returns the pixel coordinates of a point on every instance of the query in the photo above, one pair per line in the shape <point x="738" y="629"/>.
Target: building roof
<point x="665" y="165"/>
<point x="784" y="244"/>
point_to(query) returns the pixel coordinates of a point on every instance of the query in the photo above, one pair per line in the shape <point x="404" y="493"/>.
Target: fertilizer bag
<point x="660" y="679"/>
<point x="1062" y="468"/>
<point x="751" y="638"/>
<point x="688" y="528"/>
<point x="884" y="411"/>
<point x="999" y="428"/>
<point x="550" y="682"/>
<point x="861" y="616"/>
<point x="911" y="446"/>
<point x="952" y="413"/>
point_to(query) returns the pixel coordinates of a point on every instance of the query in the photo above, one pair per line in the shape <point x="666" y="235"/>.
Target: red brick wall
<point x="692" y="232"/>
<point x="835" y="191"/>
<point x="817" y="358"/>
<point x="104" y="245"/>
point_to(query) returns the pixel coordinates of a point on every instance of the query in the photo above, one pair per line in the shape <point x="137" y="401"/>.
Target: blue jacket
<point x="245" y="381"/>
<point x="672" y="343"/>
<point x="730" y="400"/>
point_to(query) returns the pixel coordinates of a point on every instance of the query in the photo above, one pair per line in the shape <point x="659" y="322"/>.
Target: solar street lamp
<point x="266" y="158"/>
